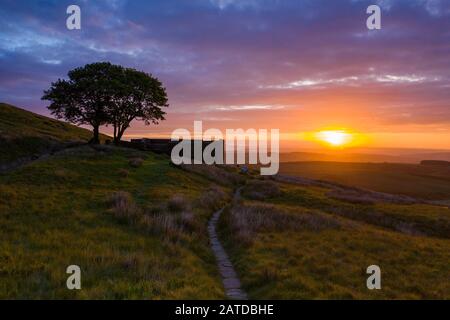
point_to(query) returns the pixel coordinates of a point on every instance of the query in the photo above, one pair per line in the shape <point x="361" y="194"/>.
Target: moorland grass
<point x="26" y="134"/>
<point x="422" y="219"/>
<point x="426" y="182"/>
<point x="293" y="259"/>
<point x="136" y="225"/>
<point x="57" y="212"/>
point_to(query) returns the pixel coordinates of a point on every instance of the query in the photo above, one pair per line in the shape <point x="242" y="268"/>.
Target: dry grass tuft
<point x="124" y="173"/>
<point x="131" y="262"/>
<point x="246" y="220"/>
<point x="173" y="220"/>
<point x="188" y="221"/>
<point x="213" y="199"/>
<point x="162" y="224"/>
<point x="270" y="273"/>
<point x="261" y="189"/>
<point x="123" y="207"/>
<point x="136" y="162"/>
<point x="177" y="203"/>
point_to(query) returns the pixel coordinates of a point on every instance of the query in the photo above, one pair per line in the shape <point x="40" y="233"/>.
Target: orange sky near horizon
<point x="299" y="140"/>
<point x="297" y="122"/>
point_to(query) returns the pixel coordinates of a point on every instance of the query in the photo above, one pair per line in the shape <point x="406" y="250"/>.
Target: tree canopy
<point x="106" y="94"/>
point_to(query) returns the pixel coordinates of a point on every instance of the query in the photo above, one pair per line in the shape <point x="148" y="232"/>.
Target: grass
<point x="427" y="182"/>
<point x="57" y="212"/>
<point x="306" y="246"/>
<point x="137" y="225"/>
<point x="414" y="219"/>
<point x="247" y="220"/>
<point x="26" y="134"/>
<point x="260" y="189"/>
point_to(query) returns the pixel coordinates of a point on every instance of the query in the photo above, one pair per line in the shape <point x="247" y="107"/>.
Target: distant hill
<point x="422" y="181"/>
<point x="345" y="156"/>
<point x="435" y="163"/>
<point x="24" y="134"/>
<point x="342" y="157"/>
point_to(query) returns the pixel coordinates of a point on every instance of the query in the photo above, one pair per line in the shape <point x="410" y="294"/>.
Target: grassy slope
<point x="330" y="263"/>
<point x="23" y="133"/>
<point x="54" y="213"/>
<point x="428" y="182"/>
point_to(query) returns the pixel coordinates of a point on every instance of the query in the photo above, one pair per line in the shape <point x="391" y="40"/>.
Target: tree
<point x="102" y="94"/>
<point x="136" y="96"/>
<point x="83" y="99"/>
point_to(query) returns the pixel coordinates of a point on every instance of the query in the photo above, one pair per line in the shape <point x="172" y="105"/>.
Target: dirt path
<point x="22" y="162"/>
<point x="230" y="280"/>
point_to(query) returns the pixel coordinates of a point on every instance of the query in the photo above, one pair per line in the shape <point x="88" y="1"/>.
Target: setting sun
<point x="336" y="138"/>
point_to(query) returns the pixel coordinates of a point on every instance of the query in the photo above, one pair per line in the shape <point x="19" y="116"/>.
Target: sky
<point x="298" y="66"/>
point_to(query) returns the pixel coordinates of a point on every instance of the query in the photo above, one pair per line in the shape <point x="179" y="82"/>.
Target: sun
<point x="335" y="138"/>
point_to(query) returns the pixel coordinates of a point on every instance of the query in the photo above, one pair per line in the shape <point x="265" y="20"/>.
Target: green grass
<point x="427" y="182"/>
<point x="55" y="213"/>
<point x="304" y="262"/>
<point x="421" y="219"/>
<point x="24" y="134"/>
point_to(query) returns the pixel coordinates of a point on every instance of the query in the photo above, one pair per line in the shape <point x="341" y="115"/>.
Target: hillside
<point x="423" y="181"/>
<point x="293" y="241"/>
<point x="134" y="224"/>
<point x="138" y="228"/>
<point x="24" y="134"/>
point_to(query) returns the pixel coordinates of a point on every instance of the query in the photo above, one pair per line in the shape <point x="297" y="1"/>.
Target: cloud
<point x="252" y="107"/>
<point x="401" y="78"/>
<point x="305" y="83"/>
<point x="352" y="81"/>
<point x="248" y="57"/>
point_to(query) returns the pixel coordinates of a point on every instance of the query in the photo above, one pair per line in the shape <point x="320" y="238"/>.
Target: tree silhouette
<point x="83" y="98"/>
<point x="136" y="96"/>
<point x="102" y="94"/>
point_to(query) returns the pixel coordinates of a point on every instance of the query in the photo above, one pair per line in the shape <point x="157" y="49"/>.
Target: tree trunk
<point x="95" y="139"/>
<point x="121" y="132"/>
<point x="116" y="135"/>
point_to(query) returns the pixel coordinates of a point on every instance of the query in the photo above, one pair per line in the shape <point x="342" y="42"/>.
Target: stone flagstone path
<point x="229" y="276"/>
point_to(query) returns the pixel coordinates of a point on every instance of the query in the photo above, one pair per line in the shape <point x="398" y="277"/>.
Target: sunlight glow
<point x="336" y="138"/>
